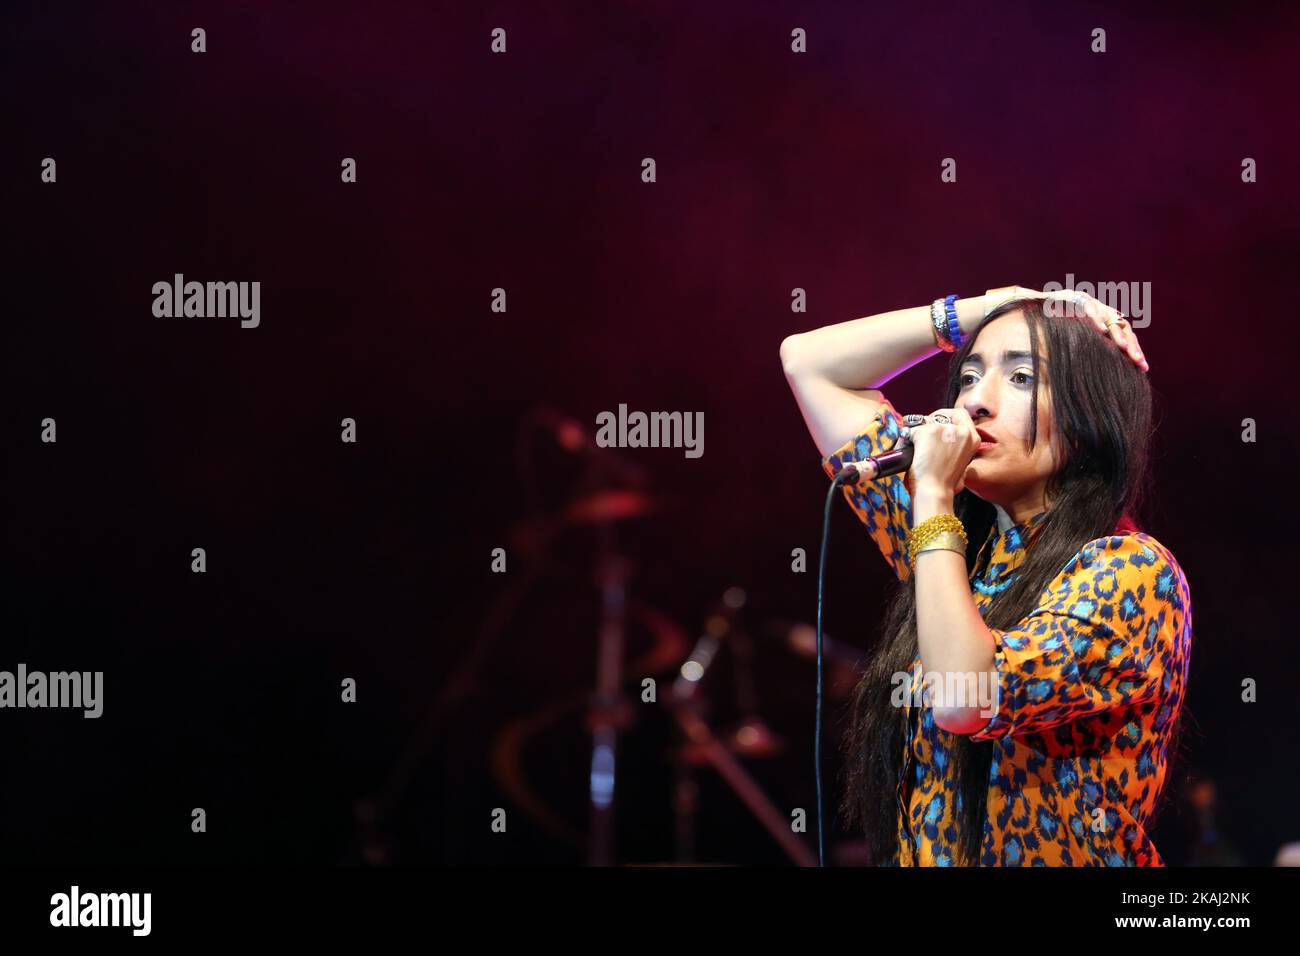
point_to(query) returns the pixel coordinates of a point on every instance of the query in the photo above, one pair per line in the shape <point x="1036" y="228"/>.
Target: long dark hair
<point x="1102" y="412"/>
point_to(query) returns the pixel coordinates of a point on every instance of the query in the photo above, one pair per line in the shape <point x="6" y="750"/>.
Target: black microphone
<point x="881" y="466"/>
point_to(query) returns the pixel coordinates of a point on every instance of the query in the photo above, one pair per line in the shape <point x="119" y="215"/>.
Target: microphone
<point x="881" y="466"/>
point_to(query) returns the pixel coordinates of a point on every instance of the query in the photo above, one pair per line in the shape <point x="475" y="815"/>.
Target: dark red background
<point x="775" y="170"/>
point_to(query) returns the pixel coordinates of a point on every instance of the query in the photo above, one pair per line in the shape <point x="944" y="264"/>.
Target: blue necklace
<point x="991" y="589"/>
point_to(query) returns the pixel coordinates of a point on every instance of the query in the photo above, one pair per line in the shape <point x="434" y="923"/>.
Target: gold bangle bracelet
<point x="931" y="527"/>
<point x="944" y="521"/>
<point x="943" y="541"/>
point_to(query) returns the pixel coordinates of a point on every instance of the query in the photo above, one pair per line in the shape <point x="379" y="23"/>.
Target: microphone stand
<point x="609" y="711"/>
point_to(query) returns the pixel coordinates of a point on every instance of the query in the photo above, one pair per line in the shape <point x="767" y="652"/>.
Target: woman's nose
<point x="979" y="401"/>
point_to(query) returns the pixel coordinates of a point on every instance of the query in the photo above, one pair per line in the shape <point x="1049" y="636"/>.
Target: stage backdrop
<point x="270" y="524"/>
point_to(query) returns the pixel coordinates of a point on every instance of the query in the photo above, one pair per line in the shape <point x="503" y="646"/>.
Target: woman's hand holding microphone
<point x="944" y="442"/>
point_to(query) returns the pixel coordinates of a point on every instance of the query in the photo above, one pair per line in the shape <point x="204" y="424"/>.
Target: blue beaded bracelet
<point x="954" y="330"/>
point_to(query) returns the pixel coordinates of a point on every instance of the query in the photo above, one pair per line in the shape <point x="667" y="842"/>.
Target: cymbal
<point x="597" y="508"/>
<point x="609" y="506"/>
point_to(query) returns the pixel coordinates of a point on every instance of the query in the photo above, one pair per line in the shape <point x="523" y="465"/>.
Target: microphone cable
<point x="847" y="475"/>
<point x="897" y="460"/>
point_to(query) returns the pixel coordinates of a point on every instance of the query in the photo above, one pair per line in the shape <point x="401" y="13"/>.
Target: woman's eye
<point x="1020" y="378"/>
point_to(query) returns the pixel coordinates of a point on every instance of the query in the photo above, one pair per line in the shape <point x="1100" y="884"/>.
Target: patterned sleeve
<point x="884" y="505"/>
<point x="1111" y="631"/>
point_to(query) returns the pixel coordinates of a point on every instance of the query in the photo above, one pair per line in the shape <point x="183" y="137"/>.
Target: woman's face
<point x="996" y="388"/>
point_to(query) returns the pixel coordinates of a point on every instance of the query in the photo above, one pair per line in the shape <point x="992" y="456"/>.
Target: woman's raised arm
<point x="835" y="372"/>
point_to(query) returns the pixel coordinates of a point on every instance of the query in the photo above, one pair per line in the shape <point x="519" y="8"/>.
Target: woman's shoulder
<point x="1135" y="563"/>
<point x="1138" y="548"/>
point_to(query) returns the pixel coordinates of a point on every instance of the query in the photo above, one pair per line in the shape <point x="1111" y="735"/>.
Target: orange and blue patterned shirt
<point x="1089" y="687"/>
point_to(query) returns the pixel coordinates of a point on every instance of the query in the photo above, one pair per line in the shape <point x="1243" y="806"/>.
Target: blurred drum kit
<point x="609" y="494"/>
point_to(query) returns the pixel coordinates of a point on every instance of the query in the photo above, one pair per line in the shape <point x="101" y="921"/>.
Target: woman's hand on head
<point x="1068" y="302"/>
